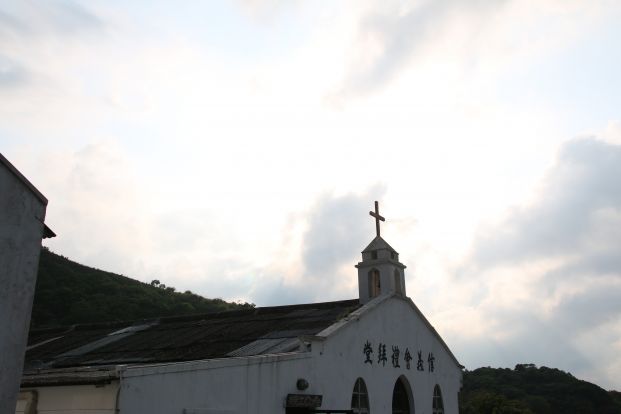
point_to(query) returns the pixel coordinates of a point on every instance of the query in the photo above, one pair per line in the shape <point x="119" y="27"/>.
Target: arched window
<point x="375" y="287"/>
<point x="360" y="398"/>
<point x="401" y="397"/>
<point x="438" y="406"/>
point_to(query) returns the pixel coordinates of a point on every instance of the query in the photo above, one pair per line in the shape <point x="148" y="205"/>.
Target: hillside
<point x="69" y="293"/>
<point x="528" y="389"/>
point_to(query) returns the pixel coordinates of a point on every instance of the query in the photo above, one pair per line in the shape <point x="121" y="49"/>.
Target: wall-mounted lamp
<point x="301" y="384"/>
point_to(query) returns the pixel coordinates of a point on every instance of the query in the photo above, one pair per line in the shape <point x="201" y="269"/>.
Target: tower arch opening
<point x="375" y="283"/>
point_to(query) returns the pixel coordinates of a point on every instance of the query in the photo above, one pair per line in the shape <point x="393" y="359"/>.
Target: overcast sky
<point x="235" y="148"/>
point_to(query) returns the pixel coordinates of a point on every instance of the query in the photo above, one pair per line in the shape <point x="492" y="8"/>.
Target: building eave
<point x="72" y="376"/>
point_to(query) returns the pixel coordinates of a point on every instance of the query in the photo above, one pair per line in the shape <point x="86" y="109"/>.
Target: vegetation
<point x="68" y="293"/>
<point x="531" y="390"/>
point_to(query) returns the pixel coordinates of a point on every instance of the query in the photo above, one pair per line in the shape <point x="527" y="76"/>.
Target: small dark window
<point x="360" y="398"/>
<point x="374" y="255"/>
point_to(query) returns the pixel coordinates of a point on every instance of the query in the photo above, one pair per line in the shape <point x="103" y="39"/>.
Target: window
<point x="398" y="287"/>
<point x="360" y="398"/>
<point x="400" y="398"/>
<point x="438" y="406"/>
<point x="375" y="287"/>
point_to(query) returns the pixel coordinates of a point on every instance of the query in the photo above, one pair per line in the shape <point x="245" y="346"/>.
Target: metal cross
<point x="377" y="216"/>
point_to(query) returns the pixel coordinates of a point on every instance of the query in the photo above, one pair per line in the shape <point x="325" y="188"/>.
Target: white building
<point x="22" y="213"/>
<point x="374" y="354"/>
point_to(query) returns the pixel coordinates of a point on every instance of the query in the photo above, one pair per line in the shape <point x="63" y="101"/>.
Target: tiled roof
<point x="184" y="338"/>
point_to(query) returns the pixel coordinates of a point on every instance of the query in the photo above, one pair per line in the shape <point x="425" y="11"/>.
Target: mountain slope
<point x="68" y="293"/>
<point x="528" y="389"/>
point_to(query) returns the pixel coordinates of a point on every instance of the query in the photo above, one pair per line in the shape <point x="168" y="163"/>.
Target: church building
<point x="373" y="354"/>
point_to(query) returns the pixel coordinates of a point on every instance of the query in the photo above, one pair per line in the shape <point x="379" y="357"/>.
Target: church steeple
<point x="380" y="270"/>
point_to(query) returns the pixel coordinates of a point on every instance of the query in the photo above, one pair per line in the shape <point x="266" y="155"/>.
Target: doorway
<point x="401" y="400"/>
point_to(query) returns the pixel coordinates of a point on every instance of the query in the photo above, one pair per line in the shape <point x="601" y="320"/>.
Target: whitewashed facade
<point x="333" y="363"/>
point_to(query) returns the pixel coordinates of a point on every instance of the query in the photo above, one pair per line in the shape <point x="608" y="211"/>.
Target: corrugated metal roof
<point x="185" y="338"/>
<point x="267" y="346"/>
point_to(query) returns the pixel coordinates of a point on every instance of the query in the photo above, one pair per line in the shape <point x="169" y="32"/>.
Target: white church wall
<point x="231" y="385"/>
<point x="260" y="384"/>
<point x="392" y="323"/>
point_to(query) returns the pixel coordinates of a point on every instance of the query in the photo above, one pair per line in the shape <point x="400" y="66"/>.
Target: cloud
<point x="95" y="206"/>
<point x="389" y="39"/>
<point x="588" y="309"/>
<point x="265" y="9"/>
<point x="456" y="46"/>
<point x="10" y="24"/>
<point x="12" y="74"/>
<point x="334" y="227"/>
<point x="45" y="47"/>
<point x="576" y="213"/>
<point x="60" y="17"/>
<point x="328" y="246"/>
<point x="550" y="271"/>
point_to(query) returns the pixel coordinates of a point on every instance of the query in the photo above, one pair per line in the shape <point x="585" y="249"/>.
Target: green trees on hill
<point x="68" y="293"/>
<point x="531" y="390"/>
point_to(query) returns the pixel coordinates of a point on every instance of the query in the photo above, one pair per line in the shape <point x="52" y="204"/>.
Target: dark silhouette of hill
<point x="531" y="390"/>
<point x="68" y="293"/>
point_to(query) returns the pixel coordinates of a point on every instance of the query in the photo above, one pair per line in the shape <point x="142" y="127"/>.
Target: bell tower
<point x="379" y="271"/>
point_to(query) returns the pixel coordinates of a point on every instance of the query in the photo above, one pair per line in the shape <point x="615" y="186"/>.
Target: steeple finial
<point x="377" y="216"/>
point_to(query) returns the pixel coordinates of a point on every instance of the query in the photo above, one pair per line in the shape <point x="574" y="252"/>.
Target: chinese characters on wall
<point x="381" y="357"/>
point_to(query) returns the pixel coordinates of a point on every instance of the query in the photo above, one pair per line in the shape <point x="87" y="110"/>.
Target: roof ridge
<point x="198" y="316"/>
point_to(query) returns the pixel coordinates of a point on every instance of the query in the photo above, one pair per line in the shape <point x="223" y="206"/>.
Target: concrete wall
<point x="75" y="399"/>
<point x="260" y="384"/>
<point x="393" y="323"/>
<point x="232" y="385"/>
<point x="22" y="211"/>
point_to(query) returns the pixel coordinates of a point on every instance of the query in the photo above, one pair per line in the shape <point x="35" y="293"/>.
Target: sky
<point x="235" y="148"/>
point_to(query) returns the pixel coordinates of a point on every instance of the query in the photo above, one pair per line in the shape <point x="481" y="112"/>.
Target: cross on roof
<point x="377" y="216"/>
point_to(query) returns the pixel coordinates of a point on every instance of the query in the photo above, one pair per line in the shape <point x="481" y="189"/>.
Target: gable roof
<point x="185" y="338"/>
<point x="370" y="306"/>
<point x="377" y="244"/>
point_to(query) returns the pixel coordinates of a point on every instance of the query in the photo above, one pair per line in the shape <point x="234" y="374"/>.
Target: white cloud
<point x="465" y="44"/>
<point x="550" y="272"/>
<point x="196" y="145"/>
<point x="320" y="248"/>
<point x="98" y="211"/>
